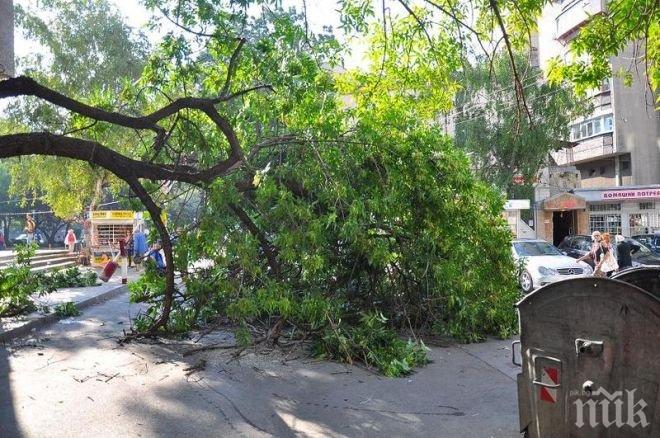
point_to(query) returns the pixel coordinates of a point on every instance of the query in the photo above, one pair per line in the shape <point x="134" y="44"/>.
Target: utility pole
<point x="6" y="38"/>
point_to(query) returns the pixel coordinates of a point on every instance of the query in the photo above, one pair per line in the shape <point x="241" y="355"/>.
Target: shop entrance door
<point x="563" y="224"/>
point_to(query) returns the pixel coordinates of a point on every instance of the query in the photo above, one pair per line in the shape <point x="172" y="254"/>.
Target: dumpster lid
<point x="583" y="284"/>
<point x="647" y="278"/>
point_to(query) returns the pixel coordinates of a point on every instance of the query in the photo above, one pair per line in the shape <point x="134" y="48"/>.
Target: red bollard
<point x="109" y="269"/>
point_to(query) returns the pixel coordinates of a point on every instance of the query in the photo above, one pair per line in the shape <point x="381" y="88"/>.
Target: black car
<point x="576" y="246"/>
<point x="651" y="241"/>
<point x="579" y="245"/>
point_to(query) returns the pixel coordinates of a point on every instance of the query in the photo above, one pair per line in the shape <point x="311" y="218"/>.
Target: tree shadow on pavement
<point x="8" y="425"/>
<point x="91" y="386"/>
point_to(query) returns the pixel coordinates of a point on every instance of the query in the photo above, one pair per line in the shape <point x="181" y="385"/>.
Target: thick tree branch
<point x="248" y="224"/>
<point x="520" y="92"/>
<point x="44" y="143"/>
<point x="25" y="86"/>
<point x="231" y="68"/>
<point x="166" y="243"/>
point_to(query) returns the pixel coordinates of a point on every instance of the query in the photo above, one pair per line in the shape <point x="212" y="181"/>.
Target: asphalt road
<point x="73" y="379"/>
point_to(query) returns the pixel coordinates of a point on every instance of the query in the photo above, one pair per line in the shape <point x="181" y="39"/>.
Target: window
<point x="526" y="249"/>
<point x="639" y="223"/>
<point x="605" y="86"/>
<point x="597" y="126"/>
<point x="604" y="207"/>
<point x="584" y="245"/>
<point x="647" y="206"/>
<point x="610" y="223"/>
<point x="609" y="123"/>
<point x="589" y="128"/>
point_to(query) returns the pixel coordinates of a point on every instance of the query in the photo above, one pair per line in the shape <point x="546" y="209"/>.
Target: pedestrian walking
<point x="593" y="256"/>
<point x="70" y="240"/>
<point x="2" y="241"/>
<point x="128" y="247"/>
<point x="607" y="264"/>
<point x="140" y="246"/>
<point x="624" y="250"/>
<point x="30" y="227"/>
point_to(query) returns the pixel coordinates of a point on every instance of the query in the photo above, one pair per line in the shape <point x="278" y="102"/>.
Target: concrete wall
<point x="636" y="123"/>
<point x="596" y="174"/>
<point x="6" y="38"/>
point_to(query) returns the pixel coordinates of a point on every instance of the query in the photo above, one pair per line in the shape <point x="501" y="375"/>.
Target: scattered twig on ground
<point x="207" y="347"/>
<point x="199" y="366"/>
<point x="111" y="377"/>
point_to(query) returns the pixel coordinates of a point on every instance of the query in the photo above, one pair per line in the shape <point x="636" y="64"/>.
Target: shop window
<point x="610" y="223"/>
<point x="639" y="223"/>
<point x="604" y="207"/>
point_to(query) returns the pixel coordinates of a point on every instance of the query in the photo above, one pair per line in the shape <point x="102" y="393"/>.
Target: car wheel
<point x="526" y="282"/>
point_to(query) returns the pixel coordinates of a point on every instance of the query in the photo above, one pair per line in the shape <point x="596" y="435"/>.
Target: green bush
<point x="18" y="283"/>
<point x="65" y="310"/>
<point x="72" y="277"/>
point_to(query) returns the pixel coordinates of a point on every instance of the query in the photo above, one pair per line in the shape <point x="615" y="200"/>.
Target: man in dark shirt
<point x="623" y="251"/>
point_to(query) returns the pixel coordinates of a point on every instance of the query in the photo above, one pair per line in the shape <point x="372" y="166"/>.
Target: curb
<point x="45" y="320"/>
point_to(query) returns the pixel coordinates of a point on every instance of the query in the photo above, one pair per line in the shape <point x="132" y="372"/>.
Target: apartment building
<point x="6" y="38"/>
<point x="615" y="150"/>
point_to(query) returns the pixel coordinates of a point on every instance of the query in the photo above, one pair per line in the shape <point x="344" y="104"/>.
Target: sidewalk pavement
<point x="82" y="296"/>
<point x="74" y="380"/>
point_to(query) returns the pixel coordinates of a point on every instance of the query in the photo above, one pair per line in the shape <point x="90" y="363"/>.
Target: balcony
<point x="586" y="150"/>
<point x="574" y="15"/>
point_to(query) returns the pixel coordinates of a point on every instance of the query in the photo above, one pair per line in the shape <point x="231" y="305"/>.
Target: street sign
<point x="516" y="204"/>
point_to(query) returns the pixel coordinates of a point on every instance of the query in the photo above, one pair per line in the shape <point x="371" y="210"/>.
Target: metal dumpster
<point x="590" y="351"/>
<point x="647" y="278"/>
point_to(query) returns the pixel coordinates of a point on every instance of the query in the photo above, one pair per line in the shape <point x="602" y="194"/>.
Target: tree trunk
<point x="155" y="212"/>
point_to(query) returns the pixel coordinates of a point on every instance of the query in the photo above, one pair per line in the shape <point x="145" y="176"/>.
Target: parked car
<point x="578" y="245"/>
<point x="643" y="257"/>
<point x="22" y="239"/>
<point x="651" y="241"/>
<point x="544" y="264"/>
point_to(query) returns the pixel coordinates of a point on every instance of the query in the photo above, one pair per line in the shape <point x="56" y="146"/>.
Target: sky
<point x="319" y="13"/>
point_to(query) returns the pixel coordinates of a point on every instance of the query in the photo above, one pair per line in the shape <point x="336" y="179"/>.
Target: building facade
<point x="614" y="158"/>
<point x="6" y="38"/>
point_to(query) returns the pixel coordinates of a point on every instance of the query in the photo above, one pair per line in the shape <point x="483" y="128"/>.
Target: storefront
<point x="107" y="227"/>
<point x="628" y="211"/>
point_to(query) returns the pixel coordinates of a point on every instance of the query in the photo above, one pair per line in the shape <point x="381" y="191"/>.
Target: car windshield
<point x="642" y="248"/>
<point x="530" y="249"/>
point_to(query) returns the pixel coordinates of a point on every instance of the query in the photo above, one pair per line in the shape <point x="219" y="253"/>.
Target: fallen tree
<point x="325" y="220"/>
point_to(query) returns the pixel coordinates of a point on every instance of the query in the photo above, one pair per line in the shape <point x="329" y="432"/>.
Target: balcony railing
<point x="587" y="150"/>
<point x="575" y="15"/>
